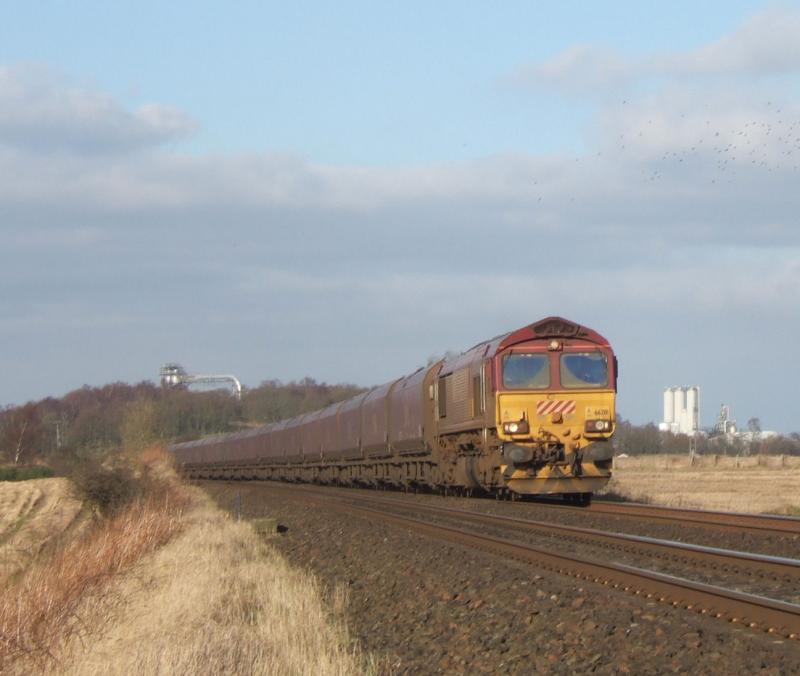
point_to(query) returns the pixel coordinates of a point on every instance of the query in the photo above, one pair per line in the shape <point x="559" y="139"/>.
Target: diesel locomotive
<point x="528" y="412"/>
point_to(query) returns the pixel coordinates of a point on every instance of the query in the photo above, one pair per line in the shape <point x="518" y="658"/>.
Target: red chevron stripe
<point x="563" y="406"/>
<point x="546" y="407"/>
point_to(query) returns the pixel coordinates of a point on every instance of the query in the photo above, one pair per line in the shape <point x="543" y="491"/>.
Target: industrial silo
<point x="692" y="409"/>
<point x="679" y="414"/>
<point x="669" y="406"/>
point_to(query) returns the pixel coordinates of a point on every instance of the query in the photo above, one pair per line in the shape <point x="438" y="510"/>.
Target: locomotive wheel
<point x="578" y="499"/>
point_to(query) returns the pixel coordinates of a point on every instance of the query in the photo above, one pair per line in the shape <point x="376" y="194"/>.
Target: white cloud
<point x="578" y="70"/>
<point x="766" y="44"/>
<point x="40" y="111"/>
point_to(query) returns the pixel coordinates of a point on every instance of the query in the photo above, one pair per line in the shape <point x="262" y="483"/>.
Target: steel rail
<point x="756" y="612"/>
<point x="762" y="564"/>
<point x="765" y="523"/>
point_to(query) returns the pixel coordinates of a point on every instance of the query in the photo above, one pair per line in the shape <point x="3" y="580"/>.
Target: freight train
<point x="530" y="412"/>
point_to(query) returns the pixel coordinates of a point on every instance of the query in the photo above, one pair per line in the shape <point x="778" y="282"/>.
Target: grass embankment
<point x="227" y="603"/>
<point x="738" y="484"/>
<point x="167" y="583"/>
<point x="34" y="515"/>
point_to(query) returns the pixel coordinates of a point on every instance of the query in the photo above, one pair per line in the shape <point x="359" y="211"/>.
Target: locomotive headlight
<point x="598" y="426"/>
<point x="519" y="427"/>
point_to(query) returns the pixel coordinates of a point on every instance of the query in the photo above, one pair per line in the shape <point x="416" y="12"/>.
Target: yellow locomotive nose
<point x="566" y="396"/>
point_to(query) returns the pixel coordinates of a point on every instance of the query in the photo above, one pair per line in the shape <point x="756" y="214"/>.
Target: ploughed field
<point x="758" y="483"/>
<point x="428" y="605"/>
<point x="33" y="514"/>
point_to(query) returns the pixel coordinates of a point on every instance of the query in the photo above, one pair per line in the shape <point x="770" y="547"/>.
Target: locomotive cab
<point x="555" y="409"/>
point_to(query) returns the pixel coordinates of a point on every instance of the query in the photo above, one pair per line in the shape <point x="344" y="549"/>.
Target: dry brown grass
<point x="33" y="514"/>
<point x="39" y="611"/>
<point x="219" y="599"/>
<point x="752" y="484"/>
<point x="171" y="585"/>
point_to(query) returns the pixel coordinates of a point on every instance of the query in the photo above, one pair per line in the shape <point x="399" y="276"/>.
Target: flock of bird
<point x="702" y="151"/>
<point x="771" y="144"/>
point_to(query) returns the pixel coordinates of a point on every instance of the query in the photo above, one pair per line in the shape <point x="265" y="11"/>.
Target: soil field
<point x="748" y="484"/>
<point x="420" y="605"/>
<point x="32" y="514"/>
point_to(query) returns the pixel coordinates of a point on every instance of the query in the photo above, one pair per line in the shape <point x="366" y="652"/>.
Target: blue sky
<point x="354" y="82"/>
<point x="282" y="190"/>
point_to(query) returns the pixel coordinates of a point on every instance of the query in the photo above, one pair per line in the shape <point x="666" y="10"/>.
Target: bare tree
<point x="756" y="444"/>
<point x="19" y="432"/>
<point x="754" y="425"/>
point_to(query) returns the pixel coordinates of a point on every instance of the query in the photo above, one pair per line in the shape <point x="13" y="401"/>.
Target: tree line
<point x="643" y="439"/>
<point x="96" y="420"/>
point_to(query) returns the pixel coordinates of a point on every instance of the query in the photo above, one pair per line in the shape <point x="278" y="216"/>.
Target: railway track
<point x="757" y="612"/>
<point x="761" y="565"/>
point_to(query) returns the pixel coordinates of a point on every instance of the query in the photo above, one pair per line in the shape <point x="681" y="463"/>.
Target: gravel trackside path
<point x="424" y="606"/>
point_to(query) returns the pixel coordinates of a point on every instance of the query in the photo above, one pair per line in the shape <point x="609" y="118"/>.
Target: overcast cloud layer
<point x="675" y="235"/>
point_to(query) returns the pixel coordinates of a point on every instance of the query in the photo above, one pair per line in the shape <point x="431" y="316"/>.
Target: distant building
<point x="759" y="435"/>
<point x="726" y="427"/>
<point x="681" y="410"/>
<point x="725" y="424"/>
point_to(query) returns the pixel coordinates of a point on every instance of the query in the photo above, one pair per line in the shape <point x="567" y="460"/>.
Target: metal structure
<point x="725" y="424"/>
<point x="681" y="410"/>
<point x="174" y="375"/>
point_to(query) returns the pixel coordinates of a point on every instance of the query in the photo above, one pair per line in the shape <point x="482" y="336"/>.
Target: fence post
<point x="237" y="506"/>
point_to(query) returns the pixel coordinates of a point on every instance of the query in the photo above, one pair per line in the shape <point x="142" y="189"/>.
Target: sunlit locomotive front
<point x="555" y="410"/>
<point x="528" y="412"/>
<point x="542" y="414"/>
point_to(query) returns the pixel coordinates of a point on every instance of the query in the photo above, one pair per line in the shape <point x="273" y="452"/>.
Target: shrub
<point x="14" y="473"/>
<point x="107" y="489"/>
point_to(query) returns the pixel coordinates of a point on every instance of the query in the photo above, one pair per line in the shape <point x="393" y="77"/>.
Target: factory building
<point x="681" y="410"/>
